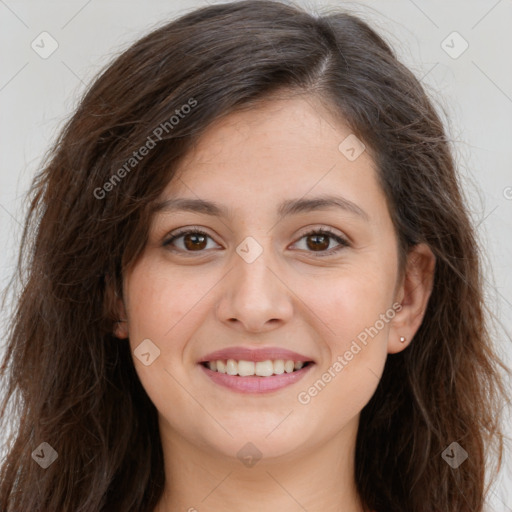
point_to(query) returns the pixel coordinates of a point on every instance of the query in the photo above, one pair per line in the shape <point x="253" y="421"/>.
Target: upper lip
<point x="254" y="354"/>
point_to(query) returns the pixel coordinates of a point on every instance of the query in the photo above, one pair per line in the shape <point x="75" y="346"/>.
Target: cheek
<point x="162" y="302"/>
<point x="354" y="348"/>
<point x="349" y="301"/>
<point x="163" y="308"/>
<point x="337" y="397"/>
<point x="356" y="307"/>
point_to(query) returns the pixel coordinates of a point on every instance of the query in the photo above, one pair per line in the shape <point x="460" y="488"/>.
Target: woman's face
<point x="256" y="281"/>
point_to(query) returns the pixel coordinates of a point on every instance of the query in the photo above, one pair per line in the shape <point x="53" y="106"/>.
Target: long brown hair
<point x="73" y="385"/>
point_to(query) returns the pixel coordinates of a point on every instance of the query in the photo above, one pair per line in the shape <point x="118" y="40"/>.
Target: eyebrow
<point x="286" y="208"/>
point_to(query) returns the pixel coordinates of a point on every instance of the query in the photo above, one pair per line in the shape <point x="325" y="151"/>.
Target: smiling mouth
<point x="266" y="368"/>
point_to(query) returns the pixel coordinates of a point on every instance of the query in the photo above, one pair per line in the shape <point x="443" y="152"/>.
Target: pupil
<point x="195" y="241"/>
<point x="316" y="245"/>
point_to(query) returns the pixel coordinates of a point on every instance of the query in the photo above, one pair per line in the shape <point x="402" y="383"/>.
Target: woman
<point x="249" y="281"/>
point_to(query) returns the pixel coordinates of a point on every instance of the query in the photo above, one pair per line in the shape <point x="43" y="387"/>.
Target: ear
<point x="121" y="326"/>
<point x="413" y="294"/>
<point x="115" y="309"/>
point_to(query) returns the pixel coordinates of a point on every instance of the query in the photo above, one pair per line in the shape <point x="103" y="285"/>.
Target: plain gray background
<point x="473" y="85"/>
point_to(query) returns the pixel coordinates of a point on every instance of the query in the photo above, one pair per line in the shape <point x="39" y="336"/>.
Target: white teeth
<point x="221" y="367"/>
<point x="231" y="367"/>
<point x="288" y="366"/>
<point x="264" y="368"/>
<point x="246" y="368"/>
<point x="279" y="367"/>
<point x="259" y="368"/>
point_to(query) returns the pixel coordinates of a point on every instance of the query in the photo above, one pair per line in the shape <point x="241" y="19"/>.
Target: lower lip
<point x="256" y="384"/>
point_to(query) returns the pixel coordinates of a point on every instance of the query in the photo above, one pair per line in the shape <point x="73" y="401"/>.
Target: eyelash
<point x="323" y="231"/>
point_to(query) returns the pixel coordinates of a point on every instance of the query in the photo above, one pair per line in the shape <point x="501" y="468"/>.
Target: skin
<point x="189" y="304"/>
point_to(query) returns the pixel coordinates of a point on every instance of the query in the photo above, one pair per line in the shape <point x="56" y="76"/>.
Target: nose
<point x="254" y="296"/>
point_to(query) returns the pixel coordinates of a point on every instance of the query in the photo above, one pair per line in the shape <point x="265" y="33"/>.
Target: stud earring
<point x="403" y="339"/>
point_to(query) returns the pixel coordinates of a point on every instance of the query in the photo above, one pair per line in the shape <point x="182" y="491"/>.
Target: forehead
<point x="281" y="148"/>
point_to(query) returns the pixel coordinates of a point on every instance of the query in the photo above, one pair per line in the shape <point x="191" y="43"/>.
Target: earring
<point x="403" y="339"/>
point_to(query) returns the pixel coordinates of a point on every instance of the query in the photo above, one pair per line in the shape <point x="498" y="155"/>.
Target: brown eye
<point x="191" y="240"/>
<point x="194" y="241"/>
<point x="317" y="242"/>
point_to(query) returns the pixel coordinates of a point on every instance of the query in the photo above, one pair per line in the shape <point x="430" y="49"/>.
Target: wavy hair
<point x="73" y="385"/>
